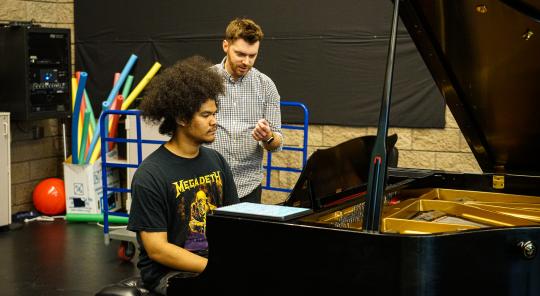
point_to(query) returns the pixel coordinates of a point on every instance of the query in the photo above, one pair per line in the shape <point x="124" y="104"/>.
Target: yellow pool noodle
<point x="73" y="92"/>
<point x="96" y="152"/>
<point x="74" y="87"/>
<point x="137" y="90"/>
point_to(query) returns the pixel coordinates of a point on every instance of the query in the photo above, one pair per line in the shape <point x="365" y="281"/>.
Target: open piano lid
<point x="485" y="59"/>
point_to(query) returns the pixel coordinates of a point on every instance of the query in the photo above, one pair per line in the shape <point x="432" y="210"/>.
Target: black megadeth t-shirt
<point x="174" y="194"/>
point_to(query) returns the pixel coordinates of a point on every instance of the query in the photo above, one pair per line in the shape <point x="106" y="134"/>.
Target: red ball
<point x="49" y="196"/>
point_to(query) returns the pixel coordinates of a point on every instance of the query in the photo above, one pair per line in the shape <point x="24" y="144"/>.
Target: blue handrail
<point x="269" y="167"/>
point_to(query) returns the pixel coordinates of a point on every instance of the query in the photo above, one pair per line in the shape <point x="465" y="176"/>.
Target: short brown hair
<point x="244" y="28"/>
<point x="179" y="91"/>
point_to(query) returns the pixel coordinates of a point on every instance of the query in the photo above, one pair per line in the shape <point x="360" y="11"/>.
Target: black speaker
<point x="35" y="74"/>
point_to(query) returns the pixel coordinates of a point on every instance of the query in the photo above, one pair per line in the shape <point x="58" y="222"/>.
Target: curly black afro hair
<point x="178" y="92"/>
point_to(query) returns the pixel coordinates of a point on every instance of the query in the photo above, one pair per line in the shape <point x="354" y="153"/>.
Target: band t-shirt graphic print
<point x="201" y="192"/>
<point x="175" y="195"/>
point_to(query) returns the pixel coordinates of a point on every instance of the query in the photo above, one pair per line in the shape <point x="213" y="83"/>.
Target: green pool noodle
<point x="127" y="87"/>
<point x="95" y="218"/>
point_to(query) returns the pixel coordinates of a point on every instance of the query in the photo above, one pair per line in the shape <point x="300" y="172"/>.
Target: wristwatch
<point x="269" y="140"/>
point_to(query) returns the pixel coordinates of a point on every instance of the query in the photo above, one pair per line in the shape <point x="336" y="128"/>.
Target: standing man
<point x="177" y="185"/>
<point x="249" y="119"/>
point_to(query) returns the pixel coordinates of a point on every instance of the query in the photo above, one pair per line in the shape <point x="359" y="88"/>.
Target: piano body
<point x="443" y="233"/>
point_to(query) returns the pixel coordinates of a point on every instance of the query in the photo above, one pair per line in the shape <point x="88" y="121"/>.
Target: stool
<point x="132" y="286"/>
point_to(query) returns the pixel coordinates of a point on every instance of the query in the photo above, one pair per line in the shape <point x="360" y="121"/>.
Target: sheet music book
<point x="270" y="212"/>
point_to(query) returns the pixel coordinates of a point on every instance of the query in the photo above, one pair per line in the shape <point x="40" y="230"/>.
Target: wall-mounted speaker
<point x="35" y="74"/>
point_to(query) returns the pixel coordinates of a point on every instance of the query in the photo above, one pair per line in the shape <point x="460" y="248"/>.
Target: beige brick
<point x="13" y="10"/>
<point x="463" y="145"/>
<point x="450" y="120"/>
<point x="71" y="28"/>
<point x="287" y="158"/>
<point x="43" y="168"/>
<point x="60" y="171"/>
<point x="293" y="137"/>
<point x="22" y="193"/>
<point x="27" y="130"/>
<point x="50" y="12"/>
<point x="288" y="179"/>
<point x="20" y="172"/>
<point x="51" y="127"/>
<point x="59" y="146"/>
<point x="72" y="58"/>
<point x="416" y="159"/>
<point x="404" y="137"/>
<point x="21" y="130"/>
<point x="371" y="131"/>
<point x="33" y="149"/>
<point x="435" y="139"/>
<point x="457" y="162"/>
<point x="274" y="179"/>
<point x="315" y="135"/>
<point x="333" y="135"/>
<point x="45" y="24"/>
<point x="273" y="197"/>
<point x="22" y="208"/>
<point x="312" y="149"/>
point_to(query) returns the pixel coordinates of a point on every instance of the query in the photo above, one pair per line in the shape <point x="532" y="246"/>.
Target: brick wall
<point x="34" y="159"/>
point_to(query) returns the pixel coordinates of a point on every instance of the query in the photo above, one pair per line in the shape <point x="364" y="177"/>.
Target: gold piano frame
<point x="459" y="210"/>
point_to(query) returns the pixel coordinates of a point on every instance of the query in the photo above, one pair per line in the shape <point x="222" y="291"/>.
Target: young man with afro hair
<point x="177" y="185"/>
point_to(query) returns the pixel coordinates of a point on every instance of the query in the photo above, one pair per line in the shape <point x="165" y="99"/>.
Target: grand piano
<point x="441" y="233"/>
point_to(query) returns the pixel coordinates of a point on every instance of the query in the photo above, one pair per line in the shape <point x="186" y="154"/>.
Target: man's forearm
<point x="173" y="256"/>
<point x="179" y="258"/>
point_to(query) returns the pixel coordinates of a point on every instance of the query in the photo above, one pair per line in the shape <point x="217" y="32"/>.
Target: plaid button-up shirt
<point x="248" y="99"/>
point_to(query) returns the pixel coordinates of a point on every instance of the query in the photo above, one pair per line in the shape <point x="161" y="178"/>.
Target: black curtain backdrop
<point x="329" y="55"/>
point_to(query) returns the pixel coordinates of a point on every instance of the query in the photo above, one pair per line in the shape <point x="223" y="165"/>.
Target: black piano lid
<point x="485" y="59"/>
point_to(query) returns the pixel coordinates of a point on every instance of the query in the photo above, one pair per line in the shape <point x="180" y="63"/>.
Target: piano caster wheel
<point x="528" y="249"/>
<point x="126" y="251"/>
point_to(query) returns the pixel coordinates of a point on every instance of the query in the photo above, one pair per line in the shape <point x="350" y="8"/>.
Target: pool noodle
<point x="123" y="76"/>
<point x="106" y="106"/>
<point x="81" y="116"/>
<point x="71" y="217"/>
<point x="92" y="119"/>
<point x="113" y="126"/>
<point x="137" y="90"/>
<point x="115" y="81"/>
<point x="74" y="83"/>
<point x="88" y="106"/>
<point x="127" y="86"/>
<point x="84" y="135"/>
<point x="115" y="106"/>
<point x="94" y="144"/>
<point x="73" y="91"/>
<point x="75" y="123"/>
